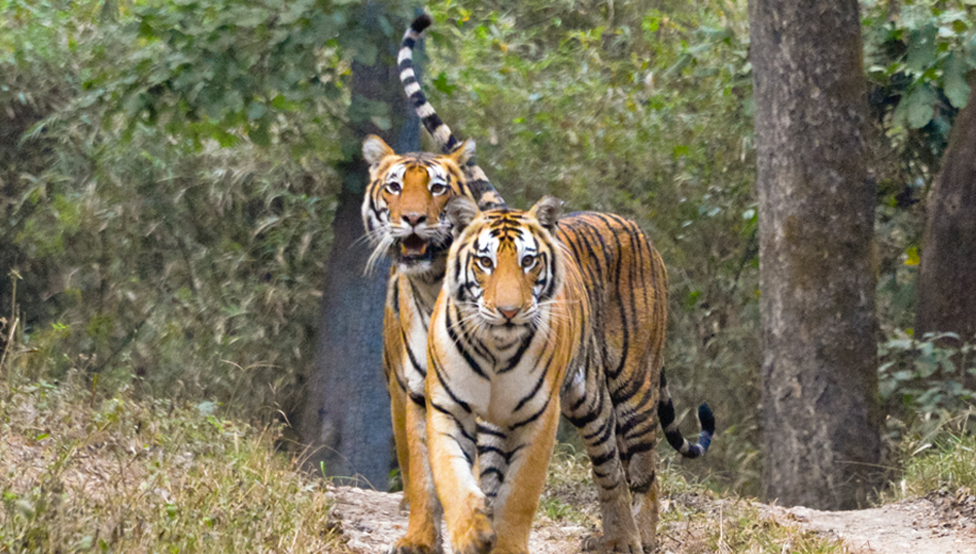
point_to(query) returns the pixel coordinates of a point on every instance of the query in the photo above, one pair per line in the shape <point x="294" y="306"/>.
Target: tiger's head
<point x="403" y="210"/>
<point x="505" y="266"/>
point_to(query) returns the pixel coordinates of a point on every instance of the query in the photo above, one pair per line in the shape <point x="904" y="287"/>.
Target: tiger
<point x="402" y="214"/>
<point x="542" y="315"/>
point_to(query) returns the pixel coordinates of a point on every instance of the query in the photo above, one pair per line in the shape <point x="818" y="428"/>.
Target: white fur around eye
<point x="437" y="188"/>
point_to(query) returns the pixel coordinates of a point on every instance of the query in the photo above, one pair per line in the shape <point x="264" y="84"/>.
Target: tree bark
<point x="946" y="292"/>
<point x="821" y="427"/>
<point x="346" y="420"/>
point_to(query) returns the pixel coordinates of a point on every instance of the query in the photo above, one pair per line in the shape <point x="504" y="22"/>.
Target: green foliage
<point x="918" y="55"/>
<point x="159" y="255"/>
<point x="926" y="376"/>
<point x="223" y="69"/>
<point x="207" y="69"/>
<point x="922" y="52"/>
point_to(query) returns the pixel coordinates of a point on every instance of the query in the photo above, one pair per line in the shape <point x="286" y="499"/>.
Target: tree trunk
<point x="820" y="419"/>
<point x="946" y="293"/>
<point x="346" y="420"/>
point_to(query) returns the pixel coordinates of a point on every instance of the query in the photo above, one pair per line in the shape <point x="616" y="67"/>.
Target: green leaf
<point x="915" y="109"/>
<point x="913" y="258"/>
<point x="956" y="88"/>
<point x="255" y="110"/>
<point x="441" y="84"/>
<point x="259" y="134"/>
<point x="921" y="49"/>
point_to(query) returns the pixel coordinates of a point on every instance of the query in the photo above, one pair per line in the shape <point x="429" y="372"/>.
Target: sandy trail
<point x="940" y="523"/>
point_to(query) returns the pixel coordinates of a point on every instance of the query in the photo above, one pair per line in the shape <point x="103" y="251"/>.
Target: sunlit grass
<point x="942" y="459"/>
<point x="83" y="472"/>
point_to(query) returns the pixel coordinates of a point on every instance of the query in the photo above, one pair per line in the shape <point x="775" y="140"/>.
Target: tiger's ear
<point x="463" y="153"/>
<point x="375" y="150"/>
<point x="547" y="212"/>
<point x="461" y="211"/>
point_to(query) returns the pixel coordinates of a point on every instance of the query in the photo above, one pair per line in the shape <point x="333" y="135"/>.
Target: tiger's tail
<point x="665" y="413"/>
<point x="442" y="134"/>
<point x="484" y="192"/>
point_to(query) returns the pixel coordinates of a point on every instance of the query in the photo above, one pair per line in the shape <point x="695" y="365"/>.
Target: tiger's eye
<point x="484" y="262"/>
<point x="528" y="261"/>
<point x="438" y="189"/>
<point x="393" y="188"/>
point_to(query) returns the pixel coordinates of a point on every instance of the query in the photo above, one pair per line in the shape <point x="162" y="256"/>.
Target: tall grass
<point x="941" y="457"/>
<point x="87" y="471"/>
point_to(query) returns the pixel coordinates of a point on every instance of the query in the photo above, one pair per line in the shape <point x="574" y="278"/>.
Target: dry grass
<point x="694" y="519"/>
<point x="82" y="472"/>
<point x="941" y="457"/>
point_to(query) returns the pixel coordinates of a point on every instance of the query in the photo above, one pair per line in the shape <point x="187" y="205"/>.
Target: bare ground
<point x="940" y="523"/>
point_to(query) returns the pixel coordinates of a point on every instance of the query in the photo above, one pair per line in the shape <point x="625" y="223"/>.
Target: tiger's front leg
<point x="423" y="533"/>
<point x="398" y="415"/>
<point x="451" y="434"/>
<point x="528" y="450"/>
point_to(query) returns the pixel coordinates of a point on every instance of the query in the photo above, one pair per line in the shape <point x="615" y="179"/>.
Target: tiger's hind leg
<point x="645" y="496"/>
<point x="593" y="415"/>
<point x="637" y="426"/>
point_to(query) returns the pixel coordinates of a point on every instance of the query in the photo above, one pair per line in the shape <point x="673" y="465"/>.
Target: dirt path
<point x="940" y="523"/>
<point x="371" y="521"/>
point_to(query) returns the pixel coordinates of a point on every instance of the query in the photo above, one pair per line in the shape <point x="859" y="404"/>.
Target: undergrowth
<point x="940" y="456"/>
<point x="85" y="471"/>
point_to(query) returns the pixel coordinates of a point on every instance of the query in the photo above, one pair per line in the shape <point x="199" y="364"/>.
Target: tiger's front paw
<point x="475" y="536"/>
<point x="405" y="546"/>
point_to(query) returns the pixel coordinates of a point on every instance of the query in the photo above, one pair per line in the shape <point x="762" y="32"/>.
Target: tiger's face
<point x="506" y="265"/>
<point x="403" y="210"/>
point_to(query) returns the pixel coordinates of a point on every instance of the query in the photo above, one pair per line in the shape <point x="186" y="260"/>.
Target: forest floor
<point x="938" y="523"/>
<point x="81" y="472"/>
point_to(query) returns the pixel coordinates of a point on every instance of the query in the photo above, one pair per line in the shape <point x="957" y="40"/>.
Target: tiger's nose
<point x="509" y="313"/>
<point x="414" y="219"/>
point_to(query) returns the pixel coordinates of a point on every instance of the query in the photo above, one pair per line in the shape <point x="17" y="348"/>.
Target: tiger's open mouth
<point x="413" y="248"/>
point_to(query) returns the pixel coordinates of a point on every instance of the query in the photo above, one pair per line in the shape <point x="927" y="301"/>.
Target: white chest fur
<point x="497" y="390"/>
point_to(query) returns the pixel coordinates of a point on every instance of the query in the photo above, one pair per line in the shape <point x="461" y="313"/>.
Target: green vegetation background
<point x="167" y="181"/>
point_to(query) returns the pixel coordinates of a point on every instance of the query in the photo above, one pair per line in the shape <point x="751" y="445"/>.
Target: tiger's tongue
<point x="413" y="246"/>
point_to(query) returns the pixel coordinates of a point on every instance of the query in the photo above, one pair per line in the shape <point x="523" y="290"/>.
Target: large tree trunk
<point x="346" y="420"/>
<point x="820" y="421"/>
<point x="946" y="295"/>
